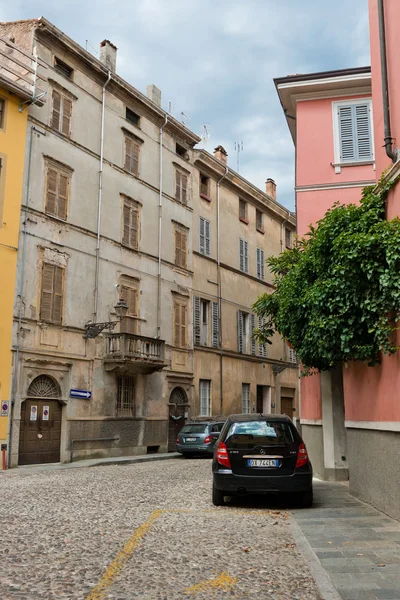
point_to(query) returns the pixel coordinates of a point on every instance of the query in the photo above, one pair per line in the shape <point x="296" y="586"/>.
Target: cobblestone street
<point x="145" y="531"/>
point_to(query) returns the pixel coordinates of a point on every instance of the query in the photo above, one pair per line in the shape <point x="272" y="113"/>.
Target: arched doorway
<point x="178" y="402"/>
<point x="40" y="428"/>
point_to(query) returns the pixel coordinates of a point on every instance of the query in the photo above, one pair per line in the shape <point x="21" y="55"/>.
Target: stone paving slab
<point x="358" y="546"/>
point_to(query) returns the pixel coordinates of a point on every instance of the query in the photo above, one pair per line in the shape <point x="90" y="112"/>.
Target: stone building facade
<point x="113" y="206"/>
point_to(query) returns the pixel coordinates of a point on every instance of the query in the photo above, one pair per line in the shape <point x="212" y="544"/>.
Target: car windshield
<point x="260" y="432"/>
<point x="193" y="429"/>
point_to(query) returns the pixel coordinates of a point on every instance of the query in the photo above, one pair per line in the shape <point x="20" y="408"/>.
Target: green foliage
<point x="337" y="295"/>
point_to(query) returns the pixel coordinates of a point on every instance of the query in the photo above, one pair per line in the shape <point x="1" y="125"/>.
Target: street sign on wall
<point x="80" y="394"/>
<point x="4" y="408"/>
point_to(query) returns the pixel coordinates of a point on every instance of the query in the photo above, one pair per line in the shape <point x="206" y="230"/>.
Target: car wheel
<point x="217" y="497"/>
<point x="306" y="498"/>
<point x="185" y="455"/>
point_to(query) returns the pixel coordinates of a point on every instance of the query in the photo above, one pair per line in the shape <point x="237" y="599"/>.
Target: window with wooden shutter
<point x="214" y="325"/>
<point x="204" y="237"/>
<point x="354" y="132"/>
<point x="204" y="398"/>
<point x="260" y="263"/>
<point x="180" y="248"/>
<point x="252" y="340"/>
<point x="131" y="215"/>
<point x="61" y="113"/>
<point x="259" y="221"/>
<point x="180" y="324"/>
<point x="240" y="331"/>
<point x="204" y="186"/>
<point x="2" y="111"/>
<point x="132" y="150"/>
<point x="196" y="320"/>
<point x="288" y="238"/>
<point x="181" y="185"/>
<point x="51" y="301"/>
<point x="57" y="190"/>
<point x="129" y="324"/>
<point x="243" y="210"/>
<point x="262" y="348"/>
<point x="245" y="398"/>
<point x="243" y="256"/>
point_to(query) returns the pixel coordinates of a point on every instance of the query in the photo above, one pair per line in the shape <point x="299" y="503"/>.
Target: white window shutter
<point x="258" y="263"/>
<point x="207" y="237"/>
<point x="196" y="320"/>
<point x="241" y="254"/>
<point x="202" y="244"/>
<point x="215" y="325"/>
<point x="346" y="133"/>
<point x="262" y="264"/>
<point x="240" y="331"/>
<point x="246" y="257"/>
<point x="363" y="130"/>
<point x="262" y="348"/>
<point x="252" y="340"/>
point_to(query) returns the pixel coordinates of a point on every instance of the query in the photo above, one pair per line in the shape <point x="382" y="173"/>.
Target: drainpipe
<point x="282" y="227"/>
<point x="21" y="294"/>
<point x="392" y="154"/>
<point x="158" y="334"/>
<point x="96" y="280"/>
<point x="219" y="290"/>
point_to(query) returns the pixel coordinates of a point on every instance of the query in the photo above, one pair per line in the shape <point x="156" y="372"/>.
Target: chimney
<point x="221" y="154"/>
<point x="270" y="188"/>
<point x="108" y="55"/>
<point x="154" y="94"/>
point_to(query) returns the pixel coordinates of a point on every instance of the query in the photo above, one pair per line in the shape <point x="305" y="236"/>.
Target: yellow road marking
<point x="113" y="570"/>
<point x="223" y="582"/>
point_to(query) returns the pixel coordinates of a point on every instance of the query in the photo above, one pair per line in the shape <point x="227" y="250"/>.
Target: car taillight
<point x="208" y="439"/>
<point x="177" y="440"/>
<point x="302" y="456"/>
<point x="222" y="455"/>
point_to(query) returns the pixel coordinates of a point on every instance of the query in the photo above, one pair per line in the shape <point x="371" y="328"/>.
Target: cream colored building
<point x="113" y="209"/>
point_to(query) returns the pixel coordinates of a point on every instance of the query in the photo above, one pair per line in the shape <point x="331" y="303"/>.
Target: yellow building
<point x="17" y="89"/>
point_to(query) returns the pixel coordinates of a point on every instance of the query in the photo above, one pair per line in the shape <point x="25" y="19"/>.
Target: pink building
<point x="340" y="125"/>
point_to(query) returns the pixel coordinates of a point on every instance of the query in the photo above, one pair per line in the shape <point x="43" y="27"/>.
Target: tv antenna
<point x="238" y="150"/>
<point x="184" y="116"/>
<point x="205" y="134"/>
<point x="170" y="107"/>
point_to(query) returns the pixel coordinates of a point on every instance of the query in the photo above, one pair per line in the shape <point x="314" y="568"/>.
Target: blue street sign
<point x="80" y="394"/>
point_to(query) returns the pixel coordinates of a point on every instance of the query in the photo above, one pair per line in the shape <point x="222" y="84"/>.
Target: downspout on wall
<point x="388" y="139"/>
<point x="96" y="280"/>
<point x="158" y="333"/>
<point x="219" y="290"/>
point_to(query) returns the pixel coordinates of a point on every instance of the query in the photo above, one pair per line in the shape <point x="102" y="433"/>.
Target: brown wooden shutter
<point x="184" y="181"/>
<point x="129" y="324"/>
<point x="183" y="325"/>
<point x="183" y="262"/>
<point x="128" y="153"/>
<point x="134" y="228"/>
<point x="178" y="177"/>
<point x="51" y="191"/>
<point x="56" y="114"/>
<point x="126" y="224"/>
<point x="178" y="236"/>
<point x="58" y="295"/>
<point x="177" y="324"/>
<point x="135" y="158"/>
<point x="66" y="119"/>
<point x="62" y="196"/>
<point x="46" y="300"/>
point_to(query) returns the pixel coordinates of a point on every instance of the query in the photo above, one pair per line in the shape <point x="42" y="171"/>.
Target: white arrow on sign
<point x="80" y="394"/>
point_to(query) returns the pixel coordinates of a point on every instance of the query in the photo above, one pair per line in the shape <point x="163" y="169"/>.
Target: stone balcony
<point x="130" y="353"/>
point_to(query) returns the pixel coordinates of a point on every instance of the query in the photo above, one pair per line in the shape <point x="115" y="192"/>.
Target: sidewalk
<point x="358" y="546"/>
<point x="94" y="462"/>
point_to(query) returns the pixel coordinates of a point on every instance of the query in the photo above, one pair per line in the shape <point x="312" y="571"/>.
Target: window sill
<point x="205" y="197"/>
<point x="131" y="174"/>
<point x="245" y="221"/>
<point x="128" y="247"/>
<point x="205" y="254"/>
<point x="361" y="163"/>
<point x="260" y="230"/>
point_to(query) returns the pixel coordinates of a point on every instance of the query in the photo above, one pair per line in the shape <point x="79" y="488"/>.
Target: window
<point x="353" y="141"/>
<point x="205" y="398"/>
<point x="2" y="112"/>
<point x="243" y="256"/>
<point x="259" y="221"/>
<point x="125" y="397"/>
<point x="204" y="186"/>
<point x="62" y="68"/>
<point x="246" y="326"/>
<point x="181" y="180"/>
<point x="132" y="150"/>
<point x="242" y="210"/>
<point x="57" y="190"/>
<point x="291" y="355"/>
<point x="182" y="151"/>
<point x="132" y="117"/>
<point x="268" y="433"/>
<point x="180" y="324"/>
<point x="260" y="263"/>
<point x="51" y="301"/>
<point x="202" y="333"/>
<point x="61" y="113"/>
<point x="288" y="238"/>
<point x="245" y="398"/>
<point x="262" y="348"/>
<point x="130" y="294"/>
<point x="131" y="217"/>
<point x="204" y="245"/>
<point x="181" y="248"/>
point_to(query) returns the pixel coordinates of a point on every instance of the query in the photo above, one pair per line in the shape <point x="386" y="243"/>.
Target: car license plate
<point x="190" y="439"/>
<point x="262" y="462"/>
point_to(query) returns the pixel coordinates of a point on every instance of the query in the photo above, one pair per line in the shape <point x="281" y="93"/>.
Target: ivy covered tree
<point x="337" y="292"/>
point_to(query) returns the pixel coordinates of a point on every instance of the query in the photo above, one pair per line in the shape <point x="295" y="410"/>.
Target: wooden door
<point x="40" y="432"/>
<point x="287" y="406"/>
<point x="260" y="399"/>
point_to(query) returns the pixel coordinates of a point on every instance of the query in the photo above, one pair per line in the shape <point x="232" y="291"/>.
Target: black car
<point x="259" y="454"/>
<point x="199" y="437"/>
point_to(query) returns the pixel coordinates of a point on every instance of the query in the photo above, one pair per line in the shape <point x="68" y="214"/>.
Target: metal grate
<point x="125" y="397"/>
<point x="43" y="387"/>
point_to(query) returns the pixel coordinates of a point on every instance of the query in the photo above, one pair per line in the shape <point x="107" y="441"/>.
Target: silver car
<point x="198" y="437"/>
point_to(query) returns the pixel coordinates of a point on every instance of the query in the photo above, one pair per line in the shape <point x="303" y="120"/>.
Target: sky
<point x="215" y="60"/>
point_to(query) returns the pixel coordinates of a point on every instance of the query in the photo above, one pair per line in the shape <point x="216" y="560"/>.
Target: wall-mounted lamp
<point x="92" y="330"/>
